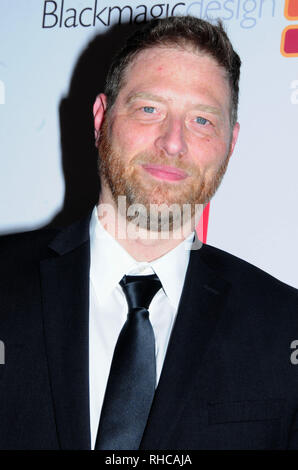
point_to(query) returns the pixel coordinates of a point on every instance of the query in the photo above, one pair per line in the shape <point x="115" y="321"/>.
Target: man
<point x="199" y="357"/>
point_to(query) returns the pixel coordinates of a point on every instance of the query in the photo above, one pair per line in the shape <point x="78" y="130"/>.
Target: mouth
<point x="168" y="173"/>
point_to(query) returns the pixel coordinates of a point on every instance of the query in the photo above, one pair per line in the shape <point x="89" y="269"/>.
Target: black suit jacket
<point x="227" y="381"/>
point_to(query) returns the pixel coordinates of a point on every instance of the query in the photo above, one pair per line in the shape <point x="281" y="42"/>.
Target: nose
<point x="172" y="139"/>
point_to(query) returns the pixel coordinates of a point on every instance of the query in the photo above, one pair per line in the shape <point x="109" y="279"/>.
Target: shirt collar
<point x="110" y="261"/>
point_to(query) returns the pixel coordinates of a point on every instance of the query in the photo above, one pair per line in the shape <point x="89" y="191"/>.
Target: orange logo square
<point x="291" y="10"/>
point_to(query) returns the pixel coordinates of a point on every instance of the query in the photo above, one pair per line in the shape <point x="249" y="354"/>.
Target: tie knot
<point x="140" y="290"/>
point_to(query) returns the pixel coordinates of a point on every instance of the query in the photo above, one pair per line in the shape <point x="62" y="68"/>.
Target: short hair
<point x="178" y="31"/>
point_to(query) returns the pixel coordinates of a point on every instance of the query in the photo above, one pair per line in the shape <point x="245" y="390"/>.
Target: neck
<point x="140" y="243"/>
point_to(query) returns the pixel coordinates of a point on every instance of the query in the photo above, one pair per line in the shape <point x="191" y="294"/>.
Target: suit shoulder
<point x="243" y="273"/>
<point x="26" y="244"/>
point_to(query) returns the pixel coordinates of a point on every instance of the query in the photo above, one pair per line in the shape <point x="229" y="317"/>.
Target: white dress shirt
<point x="108" y="307"/>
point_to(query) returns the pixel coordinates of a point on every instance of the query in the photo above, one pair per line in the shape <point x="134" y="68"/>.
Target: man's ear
<point x="234" y="137"/>
<point x="99" y="107"/>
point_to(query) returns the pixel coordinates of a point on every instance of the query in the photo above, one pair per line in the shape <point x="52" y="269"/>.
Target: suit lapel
<point x="65" y="293"/>
<point x="198" y="313"/>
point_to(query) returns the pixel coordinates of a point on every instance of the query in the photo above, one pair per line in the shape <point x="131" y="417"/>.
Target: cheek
<point x="133" y="137"/>
<point x="209" y="153"/>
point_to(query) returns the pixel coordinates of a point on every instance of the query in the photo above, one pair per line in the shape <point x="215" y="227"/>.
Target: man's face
<point x="168" y="138"/>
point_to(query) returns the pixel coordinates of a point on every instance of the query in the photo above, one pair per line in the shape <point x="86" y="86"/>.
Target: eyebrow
<point x="208" y="108"/>
<point x="150" y="96"/>
<point x="144" y="95"/>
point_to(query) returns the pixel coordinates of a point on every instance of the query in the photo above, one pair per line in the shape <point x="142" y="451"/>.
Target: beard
<point x="160" y="205"/>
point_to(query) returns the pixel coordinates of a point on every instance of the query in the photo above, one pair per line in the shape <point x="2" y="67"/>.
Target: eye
<point x="201" y="120"/>
<point x="148" y="109"/>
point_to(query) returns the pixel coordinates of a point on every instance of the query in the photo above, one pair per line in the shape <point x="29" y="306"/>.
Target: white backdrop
<point x="254" y="213"/>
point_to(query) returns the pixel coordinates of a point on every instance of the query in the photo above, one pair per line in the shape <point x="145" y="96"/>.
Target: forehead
<point x="178" y="70"/>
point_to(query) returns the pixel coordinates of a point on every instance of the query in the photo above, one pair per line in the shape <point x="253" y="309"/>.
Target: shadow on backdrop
<point x="79" y="155"/>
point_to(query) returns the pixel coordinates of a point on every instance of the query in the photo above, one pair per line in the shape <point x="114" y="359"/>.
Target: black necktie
<point x="131" y="384"/>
